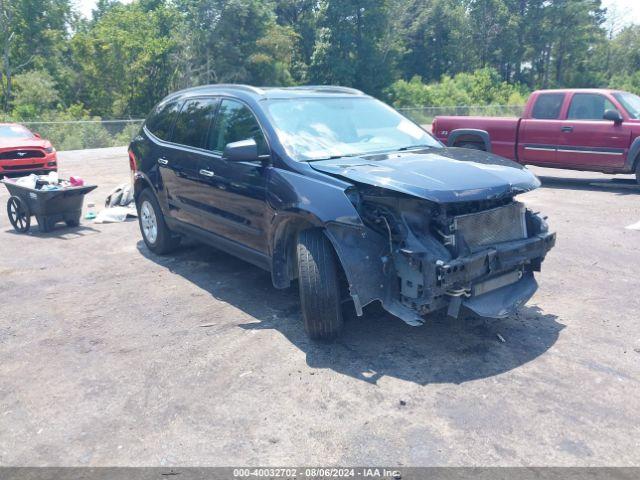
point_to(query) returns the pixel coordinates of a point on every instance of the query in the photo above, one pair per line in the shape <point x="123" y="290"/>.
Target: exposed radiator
<point x="502" y="224"/>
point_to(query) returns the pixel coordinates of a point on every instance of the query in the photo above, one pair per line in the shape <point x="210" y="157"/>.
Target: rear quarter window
<point x="160" y="122"/>
<point x="547" y="106"/>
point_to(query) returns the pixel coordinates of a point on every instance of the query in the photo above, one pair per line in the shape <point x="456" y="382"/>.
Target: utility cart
<point x="48" y="206"/>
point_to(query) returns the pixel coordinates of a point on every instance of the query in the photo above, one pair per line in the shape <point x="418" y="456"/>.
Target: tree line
<point x="125" y="58"/>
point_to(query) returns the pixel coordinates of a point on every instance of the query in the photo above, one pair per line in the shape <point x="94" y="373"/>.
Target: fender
<point x="324" y="202"/>
<point x="299" y="202"/>
<point x="481" y="134"/>
<point x="632" y="154"/>
<point x="140" y="182"/>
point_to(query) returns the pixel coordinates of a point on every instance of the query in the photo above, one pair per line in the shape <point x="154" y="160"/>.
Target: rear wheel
<point x="19" y="215"/>
<point x="155" y="233"/>
<point x="638" y="171"/>
<point x="471" y="145"/>
<point x="319" y="285"/>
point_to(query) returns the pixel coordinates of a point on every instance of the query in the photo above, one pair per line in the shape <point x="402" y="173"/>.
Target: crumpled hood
<point x="442" y="175"/>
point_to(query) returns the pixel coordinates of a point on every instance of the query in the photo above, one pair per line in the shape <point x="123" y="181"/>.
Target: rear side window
<point x="235" y="122"/>
<point x="548" y="106"/>
<point x="161" y="120"/>
<point x="589" y="106"/>
<point x="193" y="121"/>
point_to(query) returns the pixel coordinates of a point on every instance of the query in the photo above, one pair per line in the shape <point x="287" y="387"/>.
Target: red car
<point x="23" y="152"/>
<point x="579" y="129"/>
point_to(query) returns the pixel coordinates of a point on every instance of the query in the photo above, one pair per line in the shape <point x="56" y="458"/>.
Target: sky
<point x="627" y="10"/>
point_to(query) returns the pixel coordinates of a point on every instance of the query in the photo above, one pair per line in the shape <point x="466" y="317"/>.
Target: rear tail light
<point x="133" y="165"/>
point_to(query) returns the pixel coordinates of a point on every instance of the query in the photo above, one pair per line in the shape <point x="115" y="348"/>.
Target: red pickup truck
<point x="579" y="129"/>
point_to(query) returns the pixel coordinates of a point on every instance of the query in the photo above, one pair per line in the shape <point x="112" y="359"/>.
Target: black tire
<point x="19" y="215"/>
<point x="164" y="241"/>
<point x="71" y="223"/>
<point x="638" y="171"/>
<point x="471" y="145"/>
<point x="319" y="286"/>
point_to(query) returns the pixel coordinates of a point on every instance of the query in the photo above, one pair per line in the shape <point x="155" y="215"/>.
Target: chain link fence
<point x="425" y="115"/>
<point x="85" y="134"/>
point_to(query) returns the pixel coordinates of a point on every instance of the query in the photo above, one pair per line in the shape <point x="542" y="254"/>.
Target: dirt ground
<point x="110" y="355"/>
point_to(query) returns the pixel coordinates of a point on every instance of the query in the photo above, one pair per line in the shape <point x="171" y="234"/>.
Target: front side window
<point x="547" y="106"/>
<point x="234" y="123"/>
<point x="589" y="106"/>
<point x="316" y="128"/>
<point x="161" y="120"/>
<point x="630" y="102"/>
<point x="193" y="121"/>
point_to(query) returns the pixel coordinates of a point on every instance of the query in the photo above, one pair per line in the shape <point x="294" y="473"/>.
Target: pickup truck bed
<point x="596" y="130"/>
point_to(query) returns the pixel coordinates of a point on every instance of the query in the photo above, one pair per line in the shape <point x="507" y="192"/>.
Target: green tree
<point x="123" y="68"/>
<point x="233" y="41"/>
<point x="35" y="94"/>
<point x="435" y="36"/>
<point x="302" y="17"/>
<point x="33" y="35"/>
<point x="354" y="45"/>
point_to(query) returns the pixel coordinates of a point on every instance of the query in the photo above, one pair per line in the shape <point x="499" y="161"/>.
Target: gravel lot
<point x="110" y="355"/>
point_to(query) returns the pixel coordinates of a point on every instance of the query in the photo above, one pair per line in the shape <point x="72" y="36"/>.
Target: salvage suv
<point x="334" y="189"/>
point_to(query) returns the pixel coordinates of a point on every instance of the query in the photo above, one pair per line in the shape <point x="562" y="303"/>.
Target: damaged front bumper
<point x="492" y="281"/>
<point x="496" y="281"/>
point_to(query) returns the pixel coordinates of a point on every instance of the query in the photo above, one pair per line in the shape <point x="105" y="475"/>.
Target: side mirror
<point x="613" y="115"/>
<point x="37" y="135"/>
<point x="242" y="151"/>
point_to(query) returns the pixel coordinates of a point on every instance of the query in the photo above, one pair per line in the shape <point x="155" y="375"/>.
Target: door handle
<point x="207" y="173"/>
<point x="163" y="161"/>
<point x="567" y="129"/>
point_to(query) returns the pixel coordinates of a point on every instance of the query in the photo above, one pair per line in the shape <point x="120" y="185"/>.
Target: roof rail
<point x="239" y="86"/>
<point x="247" y="88"/>
<point x="329" y="88"/>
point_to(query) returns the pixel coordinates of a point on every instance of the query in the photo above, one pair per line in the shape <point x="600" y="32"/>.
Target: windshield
<point x="630" y="102"/>
<point x="14" y="131"/>
<point x="322" y="127"/>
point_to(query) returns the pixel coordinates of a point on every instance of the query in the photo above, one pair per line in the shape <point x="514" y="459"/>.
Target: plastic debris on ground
<point x="635" y="226"/>
<point x="116" y="214"/>
<point x="91" y="210"/>
<point x="119" y="205"/>
<point x="120" y="196"/>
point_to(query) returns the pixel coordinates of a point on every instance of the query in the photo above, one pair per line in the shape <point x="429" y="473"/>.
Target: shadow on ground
<point x="378" y="344"/>
<point x="60" y="232"/>
<point x="621" y="186"/>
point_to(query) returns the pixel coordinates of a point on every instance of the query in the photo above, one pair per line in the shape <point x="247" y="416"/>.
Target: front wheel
<point x="155" y="233"/>
<point x="19" y="214"/>
<point x="319" y="285"/>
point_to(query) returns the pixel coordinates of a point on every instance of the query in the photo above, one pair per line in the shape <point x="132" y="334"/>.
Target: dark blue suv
<point x="334" y="189"/>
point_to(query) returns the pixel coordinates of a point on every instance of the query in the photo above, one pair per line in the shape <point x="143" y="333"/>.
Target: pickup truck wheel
<point x="319" y="286"/>
<point x="155" y="233"/>
<point x="638" y="171"/>
<point x="471" y="145"/>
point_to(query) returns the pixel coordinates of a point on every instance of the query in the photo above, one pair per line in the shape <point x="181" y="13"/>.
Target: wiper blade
<point x="413" y="147"/>
<point x="335" y="157"/>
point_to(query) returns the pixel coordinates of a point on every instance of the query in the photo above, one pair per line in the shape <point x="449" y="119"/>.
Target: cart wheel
<point x="19" y="215"/>
<point x="73" y="222"/>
